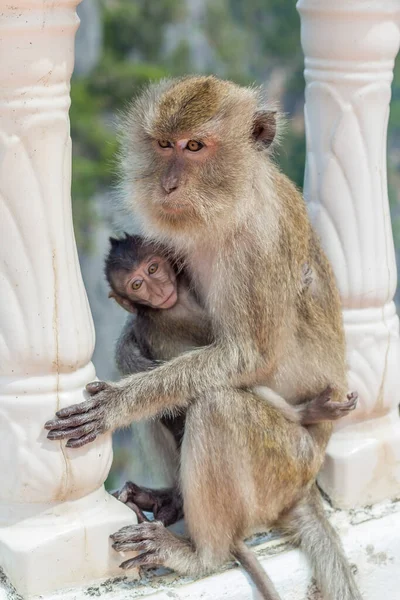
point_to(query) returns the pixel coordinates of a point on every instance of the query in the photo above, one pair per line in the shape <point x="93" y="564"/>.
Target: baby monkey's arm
<point x="128" y="355"/>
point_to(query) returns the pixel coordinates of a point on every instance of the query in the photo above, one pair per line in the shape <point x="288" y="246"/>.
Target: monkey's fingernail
<point x="96" y="386"/>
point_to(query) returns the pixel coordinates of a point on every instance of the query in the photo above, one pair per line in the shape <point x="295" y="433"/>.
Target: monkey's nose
<point x="170" y="183"/>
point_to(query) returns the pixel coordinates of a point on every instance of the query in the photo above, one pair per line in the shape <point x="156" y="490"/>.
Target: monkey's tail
<point x="310" y="528"/>
<point x="252" y="566"/>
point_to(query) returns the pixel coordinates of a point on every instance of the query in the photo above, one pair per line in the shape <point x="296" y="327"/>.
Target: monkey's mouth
<point x="170" y="301"/>
<point x="171" y="207"/>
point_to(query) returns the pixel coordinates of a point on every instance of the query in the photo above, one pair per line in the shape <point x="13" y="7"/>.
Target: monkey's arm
<point x="249" y="341"/>
<point x="145" y="395"/>
<point x="128" y="355"/>
<point x="322" y="407"/>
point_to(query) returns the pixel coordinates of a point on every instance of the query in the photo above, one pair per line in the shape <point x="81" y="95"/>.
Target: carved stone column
<point x="55" y="516"/>
<point x="349" y="48"/>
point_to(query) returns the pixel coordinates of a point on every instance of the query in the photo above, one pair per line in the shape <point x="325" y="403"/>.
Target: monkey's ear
<point x="113" y="241"/>
<point x="264" y="128"/>
<point x="124" y="302"/>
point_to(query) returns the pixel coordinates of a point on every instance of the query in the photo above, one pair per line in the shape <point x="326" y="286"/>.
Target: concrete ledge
<point x="371" y="538"/>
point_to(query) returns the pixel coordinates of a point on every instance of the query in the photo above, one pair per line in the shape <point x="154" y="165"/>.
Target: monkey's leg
<point x="165" y="504"/>
<point x="239" y="469"/>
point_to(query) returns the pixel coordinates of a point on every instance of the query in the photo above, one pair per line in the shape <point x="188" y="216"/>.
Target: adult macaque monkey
<point x="169" y="321"/>
<point x="200" y="181"/>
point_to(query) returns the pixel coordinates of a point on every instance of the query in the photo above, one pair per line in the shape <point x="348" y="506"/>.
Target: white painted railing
<point x="349" y="48"/>
<point x="54" y="514"/>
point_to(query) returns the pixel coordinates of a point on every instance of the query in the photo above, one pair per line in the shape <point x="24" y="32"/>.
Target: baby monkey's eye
<point x="136" y="285"/>
<point x="153" y="268"/>
<point x="194" y="146"/>
<point x="164" y="144"/>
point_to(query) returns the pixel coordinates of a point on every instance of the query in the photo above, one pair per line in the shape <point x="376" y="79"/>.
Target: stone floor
<point x="371" y="538"/>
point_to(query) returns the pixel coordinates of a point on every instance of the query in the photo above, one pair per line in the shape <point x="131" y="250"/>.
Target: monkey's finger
<point x="95" y="387"/>
<point x="147" y="559"/>
<point x="79" y="442"/>
<point x="71" y="432"/>
<point x="77" y="409"/>
<point x="342" y="406"/>
<point x="74" y="421"/>
<point x="349" y="405"/>
<point x="67" y="424"/>
<point x="123" y="496"/>
<point x="132" y="546"/>
<point x="137" y="533"/>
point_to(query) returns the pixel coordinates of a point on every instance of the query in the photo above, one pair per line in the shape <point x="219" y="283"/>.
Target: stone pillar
<point x="349" y="48"/>
<point x="55" y="516"/>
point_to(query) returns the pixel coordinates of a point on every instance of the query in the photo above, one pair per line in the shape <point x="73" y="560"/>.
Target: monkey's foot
<point x="141" y="517"/>
<point x="323" y="408"/>
<point x="152" y="540"/>
<point x="165" y="504"/>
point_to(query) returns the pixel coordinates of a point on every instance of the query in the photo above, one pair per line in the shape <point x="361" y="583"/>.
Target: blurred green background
<point x="122" y="44"/>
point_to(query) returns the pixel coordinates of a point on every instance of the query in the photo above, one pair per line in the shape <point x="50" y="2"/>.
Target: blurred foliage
<point x="394" y="156"/>
<point x="132" y="55"/>
<point x="137" y="28"/>
<point x="274" y="25"/>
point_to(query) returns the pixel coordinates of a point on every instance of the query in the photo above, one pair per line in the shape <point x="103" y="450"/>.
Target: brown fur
<point x="153" y="336"/>
<point x="244" y="236"/>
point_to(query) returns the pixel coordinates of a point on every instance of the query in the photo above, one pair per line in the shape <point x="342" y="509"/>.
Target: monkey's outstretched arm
<point x="145" y="395"/>
<point x="249" y="327"/>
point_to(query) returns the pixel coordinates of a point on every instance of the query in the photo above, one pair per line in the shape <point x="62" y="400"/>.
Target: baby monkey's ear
<point x="124" y="302"/>
<point x="114" y="242"/>
<point x="264" y="128"/>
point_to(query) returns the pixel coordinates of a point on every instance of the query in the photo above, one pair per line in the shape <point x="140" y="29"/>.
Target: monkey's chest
<point x="201" y="266"/>
<point x="171" y="346"/>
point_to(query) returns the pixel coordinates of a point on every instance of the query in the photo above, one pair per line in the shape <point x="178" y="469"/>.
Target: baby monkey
<point x="168" y="321"/>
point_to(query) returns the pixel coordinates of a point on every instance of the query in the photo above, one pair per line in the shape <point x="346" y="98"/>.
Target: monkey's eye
<point x="153" y="268"/>
<point x="164" y="144"/>
<point x="194" y="146"/>
<point x="136" y="285"/>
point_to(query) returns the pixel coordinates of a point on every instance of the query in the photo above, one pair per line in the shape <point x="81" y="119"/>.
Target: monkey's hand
<point x="82" y="423"/>
<point x="324" y="408"/>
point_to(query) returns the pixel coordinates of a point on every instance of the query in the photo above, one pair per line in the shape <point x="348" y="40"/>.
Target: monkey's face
<point x="181" y="190"/>
<point x="152" y="283"/>
<point x="189" y="185"/>
<point x="192" y="151"/>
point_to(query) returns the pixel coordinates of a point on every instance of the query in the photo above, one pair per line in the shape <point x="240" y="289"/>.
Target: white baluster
<point x="55" y="516"/>
<point x="349" y="48"/>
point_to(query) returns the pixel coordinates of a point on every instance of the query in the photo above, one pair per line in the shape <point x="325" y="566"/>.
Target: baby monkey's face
<point x="152" y="283"/>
